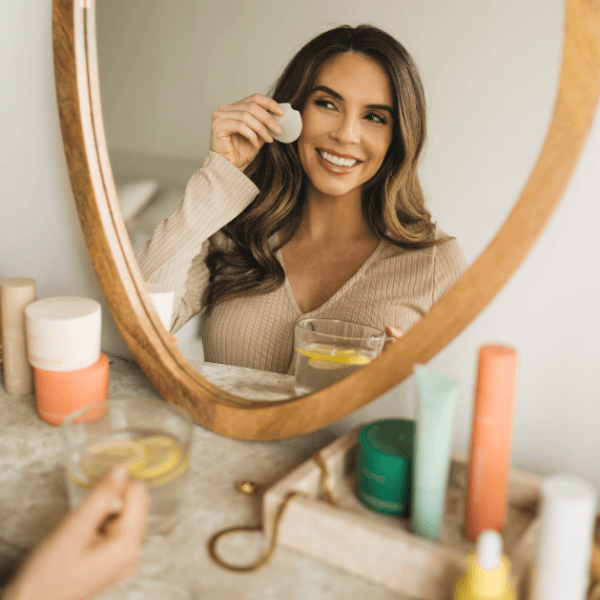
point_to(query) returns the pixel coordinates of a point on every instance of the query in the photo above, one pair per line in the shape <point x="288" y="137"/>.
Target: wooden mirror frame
<point x="77" y="86"/>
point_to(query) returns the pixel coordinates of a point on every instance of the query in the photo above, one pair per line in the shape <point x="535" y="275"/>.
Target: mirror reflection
<point x="340" y="223"/>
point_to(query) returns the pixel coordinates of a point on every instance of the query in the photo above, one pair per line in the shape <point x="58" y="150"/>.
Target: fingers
<point x="119" y="552"/>
<point x="253" y="113"/>
<point x="394" y="332"/>
<point x="239" y="130"/>
<point x="131" y="522"/>
<point x="102" y="501"/>
<point x="264" y="102"/>
<point x="227" y="122"/>
<point x="393" y="335"/>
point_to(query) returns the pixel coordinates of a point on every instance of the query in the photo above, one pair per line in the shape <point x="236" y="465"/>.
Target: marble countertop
<point x="33" y="498"/>
<point x="251" y="384"/>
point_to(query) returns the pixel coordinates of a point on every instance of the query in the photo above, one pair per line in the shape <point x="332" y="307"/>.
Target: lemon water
<point x="153" y="456"/>
<point x="319" y="365"/>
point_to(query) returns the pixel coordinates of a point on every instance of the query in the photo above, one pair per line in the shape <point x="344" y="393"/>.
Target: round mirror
<point x="465" y="138"/>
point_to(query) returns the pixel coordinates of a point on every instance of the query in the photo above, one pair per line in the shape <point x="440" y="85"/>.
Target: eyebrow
<point x="328" y="90"/>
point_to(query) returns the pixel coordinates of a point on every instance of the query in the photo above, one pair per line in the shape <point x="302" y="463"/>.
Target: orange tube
<point x="490" y="440"/>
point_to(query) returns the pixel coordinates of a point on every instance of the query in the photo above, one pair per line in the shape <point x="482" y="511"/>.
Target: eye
<point x="376" y="118"/>
<point x="322" y="103"/>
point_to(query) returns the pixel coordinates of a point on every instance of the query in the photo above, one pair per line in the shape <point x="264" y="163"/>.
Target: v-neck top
<point x="333" y="299"/>
<point x="393" y="287"/>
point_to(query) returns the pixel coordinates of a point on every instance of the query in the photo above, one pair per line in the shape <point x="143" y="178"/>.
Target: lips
<point x="334" y="162"/>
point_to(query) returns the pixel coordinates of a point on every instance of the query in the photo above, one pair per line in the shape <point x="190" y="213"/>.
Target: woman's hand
<point x="393" y="334"/>
<point x="239" y="130"/>
<point x="94" y="548"/>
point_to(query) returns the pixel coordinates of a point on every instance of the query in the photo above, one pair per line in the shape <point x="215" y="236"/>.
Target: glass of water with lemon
<point x="328" y="350"/>
<point x="152" y="437"/>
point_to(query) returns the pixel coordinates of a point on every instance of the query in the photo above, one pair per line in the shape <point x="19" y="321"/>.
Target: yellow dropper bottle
<point x="488" y="574"/>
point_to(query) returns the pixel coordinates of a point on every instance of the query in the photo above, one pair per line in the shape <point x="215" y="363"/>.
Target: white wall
<point x="489" y="68"/>
<point x="549" y="310"/>
<point x="40" y="236"/>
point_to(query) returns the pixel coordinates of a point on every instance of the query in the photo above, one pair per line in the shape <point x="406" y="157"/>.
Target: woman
<point x="333" y="225"/>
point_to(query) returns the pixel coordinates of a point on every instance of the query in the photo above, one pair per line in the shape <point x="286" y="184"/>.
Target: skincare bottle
<point x="383" y="466"/>
<point x="17" y="294"/>
<point x="59" y="393"/>
<point x="63" y="333"/>
<point x="162" y="297"/>
<point x="489" y="462"/>
<point x="488" y="575"/>
<point x="436" y="400"/>
<point x="562" y="567"/>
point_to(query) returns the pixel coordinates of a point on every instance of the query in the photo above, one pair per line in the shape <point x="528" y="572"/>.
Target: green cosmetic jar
<point x="383" y="466"/>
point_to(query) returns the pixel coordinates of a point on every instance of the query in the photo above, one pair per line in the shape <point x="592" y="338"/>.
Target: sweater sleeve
<point x="450" y="263"/>
<point x="214" y="196"/>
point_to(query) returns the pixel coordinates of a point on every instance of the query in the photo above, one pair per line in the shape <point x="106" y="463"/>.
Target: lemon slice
<point x="357" y="359"/>
<point x="328" y="357"/>
<point x="99" y="457"/>
<point x="329" y="363"/>
<point x="172" y="474"/>
<point x="161" y="453"/>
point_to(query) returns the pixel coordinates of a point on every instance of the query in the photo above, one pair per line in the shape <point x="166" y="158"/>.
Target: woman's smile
<point x="337" y="163"/>
<point x="347" y="126"/>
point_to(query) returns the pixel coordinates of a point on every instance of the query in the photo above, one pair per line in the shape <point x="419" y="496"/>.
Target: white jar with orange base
<point x="59" y="393"/>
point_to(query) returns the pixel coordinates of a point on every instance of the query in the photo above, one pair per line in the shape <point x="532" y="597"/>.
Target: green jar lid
<point x="383" y="468"/>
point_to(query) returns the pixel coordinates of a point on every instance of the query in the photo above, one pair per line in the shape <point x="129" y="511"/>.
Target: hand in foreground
<point x="239" y="130"/>
<point x="94" y="548"/>
<point x="393" y="334"/>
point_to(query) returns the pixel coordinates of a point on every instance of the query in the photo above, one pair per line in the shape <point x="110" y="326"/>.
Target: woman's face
<point x="347" y="125"/>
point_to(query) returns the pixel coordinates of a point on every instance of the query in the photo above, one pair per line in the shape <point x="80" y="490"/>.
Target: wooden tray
<point x="383" y="549"/>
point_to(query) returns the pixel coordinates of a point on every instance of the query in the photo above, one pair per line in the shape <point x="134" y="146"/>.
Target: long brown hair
<point x="392" y="201"/>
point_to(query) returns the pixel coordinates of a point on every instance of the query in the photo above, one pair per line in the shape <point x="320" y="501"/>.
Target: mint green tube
<point x="433" y="433"/>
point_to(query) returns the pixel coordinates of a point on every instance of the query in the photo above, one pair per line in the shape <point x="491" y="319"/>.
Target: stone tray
<point x="383" y="549"/>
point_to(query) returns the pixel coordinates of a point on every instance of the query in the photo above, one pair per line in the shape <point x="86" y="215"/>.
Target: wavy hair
<point x="393" y="205"/>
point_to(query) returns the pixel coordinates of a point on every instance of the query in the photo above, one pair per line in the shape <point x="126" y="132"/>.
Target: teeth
<point x="337" y="161"/>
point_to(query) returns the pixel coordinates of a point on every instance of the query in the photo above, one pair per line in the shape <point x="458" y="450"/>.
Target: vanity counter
<point x="33" y="498"/>
<point x="248" y="383"/>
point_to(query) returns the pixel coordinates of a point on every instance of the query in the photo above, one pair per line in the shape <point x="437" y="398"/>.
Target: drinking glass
<point x="328" y="350"/>
<point x="152" y="438"/>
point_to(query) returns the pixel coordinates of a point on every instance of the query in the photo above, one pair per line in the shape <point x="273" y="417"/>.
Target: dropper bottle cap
<point x="489" y="550"/>
<point x="488" y="574"/>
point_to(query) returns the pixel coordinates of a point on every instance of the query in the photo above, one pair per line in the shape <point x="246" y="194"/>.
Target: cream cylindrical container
<point x="162" y="298"/>
<point x="63" y="333"/>
<point x="562" y="567"/>
<point x="489" y="462"/>
<point x="59" y="393"/>
<point x="17" y="294"/>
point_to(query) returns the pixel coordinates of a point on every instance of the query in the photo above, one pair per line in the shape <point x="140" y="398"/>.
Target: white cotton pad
<point x="291" y="123"/>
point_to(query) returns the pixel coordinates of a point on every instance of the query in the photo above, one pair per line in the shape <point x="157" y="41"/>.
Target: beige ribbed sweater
<point x="393" y="287"/>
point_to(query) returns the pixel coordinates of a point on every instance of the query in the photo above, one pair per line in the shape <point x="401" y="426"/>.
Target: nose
<point x="347" y="130"/>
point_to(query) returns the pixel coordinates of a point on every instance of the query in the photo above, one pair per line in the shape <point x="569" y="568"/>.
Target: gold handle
<point x="250" y="488"/>
<point x="326" y="487"/>
<point x="212" y="543"/>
